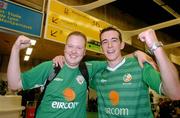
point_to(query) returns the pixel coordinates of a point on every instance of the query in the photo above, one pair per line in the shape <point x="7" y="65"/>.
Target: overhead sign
<point x="62" y="19"/>
<point x="19" y="18"/>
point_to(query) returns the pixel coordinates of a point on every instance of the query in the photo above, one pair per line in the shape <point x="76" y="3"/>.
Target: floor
<point x="92" y="114"/>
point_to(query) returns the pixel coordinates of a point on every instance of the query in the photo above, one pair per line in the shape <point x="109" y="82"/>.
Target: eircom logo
<point x="117" y="111"/>
<point x="69" y="96"/>
<point x="114" y="98"/>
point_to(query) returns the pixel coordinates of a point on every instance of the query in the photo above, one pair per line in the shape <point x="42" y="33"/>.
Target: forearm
<point x="169" y="74"/>
<point x="13" y="71"/>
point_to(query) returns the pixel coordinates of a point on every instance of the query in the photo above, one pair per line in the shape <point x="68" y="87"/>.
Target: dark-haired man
<point x="122" y="87"/>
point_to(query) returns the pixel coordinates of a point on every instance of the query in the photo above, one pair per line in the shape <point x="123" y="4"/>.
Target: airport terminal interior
<point x="47" y="23"/>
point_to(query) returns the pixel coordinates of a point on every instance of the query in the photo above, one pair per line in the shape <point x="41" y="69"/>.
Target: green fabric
<point x="151" y="77"/>
<point x="36" y="76"/>
<point x="93" y="68"/>
<point x="124" y="92"/>
<point x="57" y="102"/>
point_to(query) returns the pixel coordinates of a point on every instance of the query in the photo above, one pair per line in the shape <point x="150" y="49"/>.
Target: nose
<point x="74" y="50"/>
<point x="109" y="44"/>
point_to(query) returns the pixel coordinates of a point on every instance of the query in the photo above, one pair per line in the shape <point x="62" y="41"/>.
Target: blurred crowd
<point x="165" y="108"/>
<point x="92" y="105"/>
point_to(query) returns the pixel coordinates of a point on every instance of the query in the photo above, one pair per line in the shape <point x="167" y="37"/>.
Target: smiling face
<point x="111" y="46"/>
<point x="75" y="49"/>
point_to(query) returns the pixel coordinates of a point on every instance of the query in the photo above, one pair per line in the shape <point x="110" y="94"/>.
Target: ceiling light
<point x="33" y="42"/>
<point x="29" y="51"/>
<point x="26" y="58"/>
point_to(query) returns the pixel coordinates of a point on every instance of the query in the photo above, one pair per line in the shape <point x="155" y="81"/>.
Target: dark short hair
<point x="109" y="29"/>
<point x="77" y="33"/>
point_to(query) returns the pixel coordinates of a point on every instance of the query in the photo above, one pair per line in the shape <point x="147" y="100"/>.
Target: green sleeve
<point x="92" y="83"/>
<point x="36" y="76"/>
<point x="93" y="68"/>
<point x="152" y="78"/>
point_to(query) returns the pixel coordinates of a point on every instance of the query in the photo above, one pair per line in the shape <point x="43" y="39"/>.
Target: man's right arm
<point x="13" y="71"/>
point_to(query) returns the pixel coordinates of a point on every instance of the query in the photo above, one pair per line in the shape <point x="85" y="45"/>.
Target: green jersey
<point x="123" y="91"/>
<point x="65" y="95"/>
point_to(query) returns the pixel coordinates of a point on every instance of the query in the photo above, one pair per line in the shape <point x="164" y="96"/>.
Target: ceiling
<point x="149" y="11"/>
<point x="152" y="13"/>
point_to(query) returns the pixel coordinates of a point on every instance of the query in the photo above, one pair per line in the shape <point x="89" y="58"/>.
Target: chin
<point x="111" y="59"/>
<point x="73" y="64"/>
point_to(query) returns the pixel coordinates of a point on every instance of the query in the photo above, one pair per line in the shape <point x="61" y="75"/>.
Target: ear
<point x="64" y="48"/>
<point x="84" y="52"/>
<point x="101" y="49"/>
<point x="122" y="45"/>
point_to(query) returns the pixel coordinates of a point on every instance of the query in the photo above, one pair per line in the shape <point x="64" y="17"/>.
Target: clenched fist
<point x="22" y="42"/>
<point x="149" y="37"/>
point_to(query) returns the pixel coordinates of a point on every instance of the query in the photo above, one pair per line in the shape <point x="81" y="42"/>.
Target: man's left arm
<point x="169" y="74"/>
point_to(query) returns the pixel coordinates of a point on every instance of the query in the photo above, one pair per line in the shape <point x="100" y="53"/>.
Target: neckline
<point x="117" y="66"/>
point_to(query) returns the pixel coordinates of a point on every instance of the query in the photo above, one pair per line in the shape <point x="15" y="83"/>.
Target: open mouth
<point x="73" y="56"/>
<point x="110" y="51"/>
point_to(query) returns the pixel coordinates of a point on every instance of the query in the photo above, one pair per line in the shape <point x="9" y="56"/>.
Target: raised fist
<point x="149" y="37"/>
<point x="22" y="42"/>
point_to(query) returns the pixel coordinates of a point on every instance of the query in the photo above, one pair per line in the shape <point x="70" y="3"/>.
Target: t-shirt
<point x="123" y="91"/>
<point x="65" y="95"/>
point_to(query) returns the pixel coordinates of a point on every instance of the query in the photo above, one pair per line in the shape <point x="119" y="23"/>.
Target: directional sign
<point x="62" y="19"/>
<point x="19" y="18"/>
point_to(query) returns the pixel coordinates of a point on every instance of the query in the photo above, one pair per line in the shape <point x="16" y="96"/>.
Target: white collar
<point x="117" y="66"/>
<point x="72" y="67"/>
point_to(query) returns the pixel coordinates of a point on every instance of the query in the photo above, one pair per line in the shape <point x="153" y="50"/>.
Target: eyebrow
<point x="111" y="38"/>
<point x="114" y="38"/>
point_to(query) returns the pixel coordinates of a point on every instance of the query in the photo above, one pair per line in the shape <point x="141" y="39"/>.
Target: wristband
<point x="155" y="46"/>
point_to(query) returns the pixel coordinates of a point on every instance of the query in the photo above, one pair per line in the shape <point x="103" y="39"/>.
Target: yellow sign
<point x="62" y="19"/>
